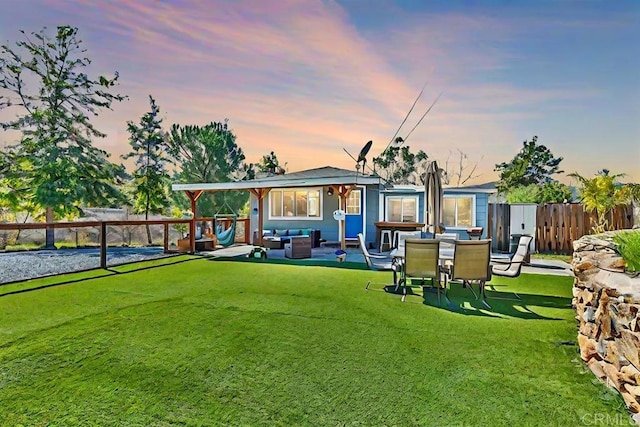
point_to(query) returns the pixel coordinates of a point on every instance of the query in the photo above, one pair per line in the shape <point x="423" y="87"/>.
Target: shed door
<point x="354" y="211"/>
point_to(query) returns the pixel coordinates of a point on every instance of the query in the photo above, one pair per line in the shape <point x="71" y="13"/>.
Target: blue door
<point x="354" y="219"/>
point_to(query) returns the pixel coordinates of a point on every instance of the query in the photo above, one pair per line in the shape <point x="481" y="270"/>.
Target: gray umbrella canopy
<point x="433" y="197"/>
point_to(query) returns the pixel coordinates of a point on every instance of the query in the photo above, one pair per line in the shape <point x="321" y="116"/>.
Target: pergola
<point x="341" y="185"/>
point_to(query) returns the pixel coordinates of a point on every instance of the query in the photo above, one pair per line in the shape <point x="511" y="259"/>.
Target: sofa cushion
<point x="294" y="232"/>
<point x="282" y="232"/>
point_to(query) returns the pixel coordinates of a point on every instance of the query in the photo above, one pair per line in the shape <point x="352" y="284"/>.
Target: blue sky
<point x="309" y="78"/>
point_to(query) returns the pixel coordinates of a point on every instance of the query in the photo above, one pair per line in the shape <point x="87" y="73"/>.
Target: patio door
<point x="354" y="222"/>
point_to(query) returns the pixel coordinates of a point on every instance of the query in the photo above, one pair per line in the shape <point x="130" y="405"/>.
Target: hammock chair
<point x="225" y="237"/>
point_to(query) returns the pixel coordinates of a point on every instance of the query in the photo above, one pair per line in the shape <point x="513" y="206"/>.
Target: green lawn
<point x="205" y="342"/>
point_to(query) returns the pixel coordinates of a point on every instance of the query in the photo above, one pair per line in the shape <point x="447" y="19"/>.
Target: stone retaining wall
<point x="607" y="304"/>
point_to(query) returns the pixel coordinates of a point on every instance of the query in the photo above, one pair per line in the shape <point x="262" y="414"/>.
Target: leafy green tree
<point x="42" y="79"/>
<point x="151" y="178"/>
<point x="554" y="192"/>
<point x="534" y="164"/>
<point x="209" y="154"/>
<point x="398" y="165"/>
<point x="269" y="164"/>
<point x="549" y="192"/>
<point x="601" y="194"/>
<point x="523" y="194"/>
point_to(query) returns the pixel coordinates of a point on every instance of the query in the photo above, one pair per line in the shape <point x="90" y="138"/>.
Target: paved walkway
<point x="537" y="265"/>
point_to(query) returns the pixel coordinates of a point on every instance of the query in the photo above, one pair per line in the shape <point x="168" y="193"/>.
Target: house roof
<point x="487" y="187"/>
<point x="482" y="188"/>
<point x="317" y="177"/>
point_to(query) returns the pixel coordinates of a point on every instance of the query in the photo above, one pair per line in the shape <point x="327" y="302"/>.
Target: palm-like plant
<point x="601" y="194"/>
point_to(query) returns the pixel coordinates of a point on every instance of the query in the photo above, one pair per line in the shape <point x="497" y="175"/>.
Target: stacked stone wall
<point x="607" y="304"/>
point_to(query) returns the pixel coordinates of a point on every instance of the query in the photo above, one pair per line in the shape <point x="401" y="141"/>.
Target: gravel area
<point x="25" y="265"/>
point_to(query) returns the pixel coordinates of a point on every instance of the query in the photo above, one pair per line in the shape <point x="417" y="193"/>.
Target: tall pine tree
<point x="42" y="80"/>
<point x="150" y="179"/>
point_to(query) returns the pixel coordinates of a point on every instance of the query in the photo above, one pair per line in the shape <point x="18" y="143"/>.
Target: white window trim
<point x="473" y="210"/>
<point x="386" y="205"/>
<point x="298" y="218"/>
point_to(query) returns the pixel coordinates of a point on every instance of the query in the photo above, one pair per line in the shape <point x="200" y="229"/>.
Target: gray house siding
<point x="372" y="210"/>
<point x="373" y="213"/>
<point x="482" y="212"/>
<point x="327" y="225"/>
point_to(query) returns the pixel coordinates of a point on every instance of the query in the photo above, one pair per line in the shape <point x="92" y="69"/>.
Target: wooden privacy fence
<point x="559" y="224"/>
<point x="498" y="226"/>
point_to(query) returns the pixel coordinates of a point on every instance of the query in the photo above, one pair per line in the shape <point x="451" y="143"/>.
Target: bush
<point x="629" y="247"/>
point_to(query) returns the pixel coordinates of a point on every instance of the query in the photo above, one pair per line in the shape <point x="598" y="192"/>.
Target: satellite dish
<point x="363" y="153"/>
<point x="339" y="215"/>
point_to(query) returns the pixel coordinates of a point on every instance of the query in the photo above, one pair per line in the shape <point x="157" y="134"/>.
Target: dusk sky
<point x="308" y="78"/>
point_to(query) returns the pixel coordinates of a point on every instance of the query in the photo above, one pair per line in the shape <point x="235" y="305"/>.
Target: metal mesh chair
<point x="421" y="264"/>
<point x="471" y="263"/>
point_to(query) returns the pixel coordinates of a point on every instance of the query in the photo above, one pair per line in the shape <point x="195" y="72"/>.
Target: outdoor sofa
<point x="277" y="238"/>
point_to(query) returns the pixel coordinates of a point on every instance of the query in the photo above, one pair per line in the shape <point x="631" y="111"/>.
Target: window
<point x="295" y="203"/>
<point x="402" y="209"/>
<point x="459" y="211"/>
<point x="353" y="202"/>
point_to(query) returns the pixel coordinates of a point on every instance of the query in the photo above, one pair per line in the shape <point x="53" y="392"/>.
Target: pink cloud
<point x="300" y="78"/>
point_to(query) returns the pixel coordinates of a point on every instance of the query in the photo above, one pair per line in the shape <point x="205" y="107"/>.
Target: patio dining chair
<point x="399" y="236"/>
<point x="402" y="236"/>
<point x="471" y="263"/>
<point x="378" y="262"/>
<point x="421" y="264"/>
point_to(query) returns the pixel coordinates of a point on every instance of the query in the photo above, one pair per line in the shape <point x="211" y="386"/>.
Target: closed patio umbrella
<point x="433" y="197"/>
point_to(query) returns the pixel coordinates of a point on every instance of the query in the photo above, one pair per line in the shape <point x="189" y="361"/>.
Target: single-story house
<point x="308" y="199"/>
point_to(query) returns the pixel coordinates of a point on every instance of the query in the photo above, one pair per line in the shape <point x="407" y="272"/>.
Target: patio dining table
<point x="444" y="254"/>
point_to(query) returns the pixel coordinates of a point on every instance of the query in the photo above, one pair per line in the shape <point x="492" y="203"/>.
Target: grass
<point x="196" y="342"/>
<point x="629" y="247"/>
<point x="558" y="257"/>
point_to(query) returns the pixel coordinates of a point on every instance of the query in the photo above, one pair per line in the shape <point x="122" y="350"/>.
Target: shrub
<point x="629" y="247"/>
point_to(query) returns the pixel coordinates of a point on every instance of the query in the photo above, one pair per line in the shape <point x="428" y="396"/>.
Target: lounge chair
<point x="378" y="262"/>
<point x="511" y="267"/>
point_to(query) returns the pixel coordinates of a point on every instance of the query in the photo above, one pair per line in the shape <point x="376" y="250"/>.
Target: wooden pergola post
<point x="193" y="196"/>
<point x="343" y="192"/>
<point x="260" y="194"/>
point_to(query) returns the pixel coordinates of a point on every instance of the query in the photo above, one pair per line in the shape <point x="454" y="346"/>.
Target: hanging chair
<point x="225" y="237"/>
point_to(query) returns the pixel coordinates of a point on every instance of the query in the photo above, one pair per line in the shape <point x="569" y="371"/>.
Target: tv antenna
<point x="395" y="139"/>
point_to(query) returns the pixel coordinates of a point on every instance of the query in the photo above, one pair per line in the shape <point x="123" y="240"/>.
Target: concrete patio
<point x="327" y="253"/>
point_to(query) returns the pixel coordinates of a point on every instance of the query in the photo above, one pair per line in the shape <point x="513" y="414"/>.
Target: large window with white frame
<point x="459" y="211"/>
<point x="402" y="209"/>
<point x="295" y="203"/>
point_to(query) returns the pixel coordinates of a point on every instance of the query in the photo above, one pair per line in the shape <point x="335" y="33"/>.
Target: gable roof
<point x="487" y="187"/>
<point x="317" y="177"/>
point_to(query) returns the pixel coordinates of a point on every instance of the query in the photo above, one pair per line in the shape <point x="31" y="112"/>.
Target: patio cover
<point x="341" y="180"/>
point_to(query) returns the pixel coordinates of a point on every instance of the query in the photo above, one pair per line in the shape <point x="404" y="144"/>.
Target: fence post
<point x="103" y="244"/>
<point x="166" y="237"/>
